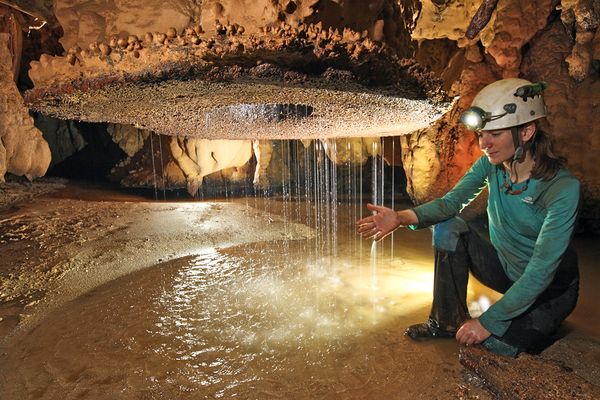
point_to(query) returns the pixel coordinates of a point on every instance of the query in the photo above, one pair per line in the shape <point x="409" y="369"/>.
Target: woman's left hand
<point x="472" y="332"/>
<point x="377" y="226"/>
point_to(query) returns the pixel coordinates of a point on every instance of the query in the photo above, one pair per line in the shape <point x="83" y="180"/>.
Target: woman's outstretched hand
<point x="383" y="222"/>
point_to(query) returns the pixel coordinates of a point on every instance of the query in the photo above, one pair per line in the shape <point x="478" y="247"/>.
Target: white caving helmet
<point x="504" y="104"/>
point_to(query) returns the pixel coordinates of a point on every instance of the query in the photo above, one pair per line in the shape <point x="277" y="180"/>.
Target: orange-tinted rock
<point x="23" y="150"/>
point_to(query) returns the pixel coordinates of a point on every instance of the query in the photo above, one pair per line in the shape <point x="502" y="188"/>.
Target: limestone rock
<point x="573" y="118"/>
<point x="63" y="137"/>
<point x="263" y="151"/>
<point x="85" y="22"/>
<point x="11" y="22"/>
<point x="421" y="164"/>
<point x="515" y="25"/>
<point x="152" y="166"/>
<point x="23" y="151"/>
<point x="448" y="20"/>
<point x="198" y="158"/>
<point x="583" y="18"/>
<point x="129" y="138"/>
<point x="352" y="150"/>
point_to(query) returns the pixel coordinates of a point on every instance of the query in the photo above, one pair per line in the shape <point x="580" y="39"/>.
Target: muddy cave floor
<point x="60" y="240"/>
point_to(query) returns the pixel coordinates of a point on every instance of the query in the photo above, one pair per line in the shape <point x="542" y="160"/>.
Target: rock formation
<point x="284" y="83"/>
<point x="23" y="150"/>
<point x="566" y="370"/>
<point x="63" y="137"/>
<point x="198" y="158"/>
<point x="129" y="138"/>
<point x="332" y="45"/>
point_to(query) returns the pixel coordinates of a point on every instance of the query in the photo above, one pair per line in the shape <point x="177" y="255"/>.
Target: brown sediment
<point x="527" y="376"/>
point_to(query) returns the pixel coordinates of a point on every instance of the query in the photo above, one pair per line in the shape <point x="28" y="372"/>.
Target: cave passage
<point x="141" y="162"/>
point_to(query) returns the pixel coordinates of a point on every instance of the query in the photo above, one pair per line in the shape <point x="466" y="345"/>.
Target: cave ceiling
<point x="220" y="81"/>
<point x="239" y="100"/>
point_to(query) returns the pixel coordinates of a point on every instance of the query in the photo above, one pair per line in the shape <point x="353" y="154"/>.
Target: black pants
<point x="531" y="331"/>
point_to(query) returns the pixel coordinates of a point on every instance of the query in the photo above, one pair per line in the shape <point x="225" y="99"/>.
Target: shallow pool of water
<point x="281" y="319"/>
<point x="276" y="319"/>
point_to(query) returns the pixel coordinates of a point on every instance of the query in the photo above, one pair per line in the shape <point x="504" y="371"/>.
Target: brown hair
<point x="547" y="163"/>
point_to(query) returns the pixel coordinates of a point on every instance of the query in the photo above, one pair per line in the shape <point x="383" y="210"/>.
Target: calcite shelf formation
<point x="284" y="83"/>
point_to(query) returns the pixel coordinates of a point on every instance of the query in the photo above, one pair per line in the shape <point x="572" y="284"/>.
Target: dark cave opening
<point x="80" y="150"/>
<point x="86" y="154"/>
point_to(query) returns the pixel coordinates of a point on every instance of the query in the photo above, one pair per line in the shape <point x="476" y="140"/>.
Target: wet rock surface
<point x="198" y="108"/>
<point x="569" y="369"/>
<point x="16" y="191"/>
<point x="60" y="249"/>
<point x="47" y="240"/>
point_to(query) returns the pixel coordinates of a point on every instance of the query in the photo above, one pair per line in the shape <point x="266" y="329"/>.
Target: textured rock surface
<point x="129" y="138"/>
<point x="85" y="21"/>
<point x="581" y="18"/>
<point x="10" y="22"/>
<point x="263" y="151"/>
<point x="444" y="19"/>
<point x="188" y="162"/>
<point x="23" y="151"/>
<point x="354" y="151"/>
<point x="63" y="137"/>
<point x="515" y="25"/>
<point x="240" y="86"/>
<point x="198" y="158"/>
<point x="573" y="119"/>
<point x="567" y="370"/>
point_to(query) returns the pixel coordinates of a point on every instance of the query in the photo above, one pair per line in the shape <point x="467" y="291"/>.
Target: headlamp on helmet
<point x="475" y="118"/>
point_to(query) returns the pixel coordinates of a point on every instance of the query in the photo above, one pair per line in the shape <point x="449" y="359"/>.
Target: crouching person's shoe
<point x="429" y="330"/>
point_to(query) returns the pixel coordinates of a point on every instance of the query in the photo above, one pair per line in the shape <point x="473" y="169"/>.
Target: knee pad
<point x="446" y="234"/>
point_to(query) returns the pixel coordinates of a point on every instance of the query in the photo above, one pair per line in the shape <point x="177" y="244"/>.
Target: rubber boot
<point x="449" y="307"/>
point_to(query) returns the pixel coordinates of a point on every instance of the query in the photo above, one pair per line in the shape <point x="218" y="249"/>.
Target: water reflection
<point x="254" y="301"/>
<point x="237" y="322"/>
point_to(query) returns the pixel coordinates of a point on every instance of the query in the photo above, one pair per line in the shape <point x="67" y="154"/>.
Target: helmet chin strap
<point x="519" y="153"/>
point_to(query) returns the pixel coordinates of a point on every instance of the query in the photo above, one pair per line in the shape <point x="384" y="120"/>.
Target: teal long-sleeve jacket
<point x="531" y="231"/>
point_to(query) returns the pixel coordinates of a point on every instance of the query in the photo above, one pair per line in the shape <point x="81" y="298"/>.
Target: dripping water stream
<point x="152" y="156"/>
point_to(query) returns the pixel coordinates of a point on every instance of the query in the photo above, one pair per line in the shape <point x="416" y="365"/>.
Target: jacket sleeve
<point x="448" y="206"/>
<point x="561" y="203"/>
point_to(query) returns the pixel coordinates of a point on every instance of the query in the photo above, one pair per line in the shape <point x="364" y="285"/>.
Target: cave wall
<point x="23" y="151"/>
